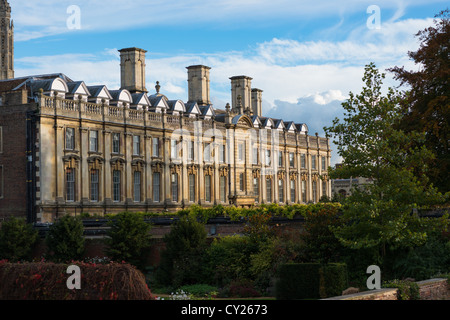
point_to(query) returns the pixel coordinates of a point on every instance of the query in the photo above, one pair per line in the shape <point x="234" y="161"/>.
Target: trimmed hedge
<point x="48" y="281"/>
<point x="310" y="280"/>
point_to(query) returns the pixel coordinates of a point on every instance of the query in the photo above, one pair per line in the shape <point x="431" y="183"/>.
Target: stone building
<point x="67" y="147"/>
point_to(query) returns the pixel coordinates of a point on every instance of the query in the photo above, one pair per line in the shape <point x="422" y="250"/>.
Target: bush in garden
<point x="48" y="281"/>
<point x="333" y="280"/>
<point x="298" y="281"/>
<point x="65" y="240"/>
<point x="129" y="239"/>
<point x="181" y="261"/>
<point x="243" y="288"/>
<point x="17" y="239"/>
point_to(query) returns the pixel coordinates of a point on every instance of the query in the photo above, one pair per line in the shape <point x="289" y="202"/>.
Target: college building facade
<point x="68" y="148"/>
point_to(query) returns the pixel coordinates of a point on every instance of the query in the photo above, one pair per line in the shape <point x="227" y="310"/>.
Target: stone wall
<point x="433" y="289"/>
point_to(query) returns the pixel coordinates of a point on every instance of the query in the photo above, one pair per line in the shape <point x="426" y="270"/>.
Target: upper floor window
<point x="241" y="152"/>
<point x="155" y="147"/>
<point x="303" y="161"/>
<point x="116" y="143"/>
<point x="291" y="160"/>
<point x="136" y="145"/>
<point x="207" y="152"/>
<point x="324" y="163"/>
<point x="255" y="155"/>
<point x="70" y="138"/>
<point x="93" y="141"/>
<point x="221" y="153"/>
<point x="313" y="162"/>
<point x="280" y="158"/>
<point x="191" y="149"/>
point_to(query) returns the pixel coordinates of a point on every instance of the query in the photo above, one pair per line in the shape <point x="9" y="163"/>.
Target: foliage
<point x="181" y="260"/>
<point x="65" y="240"/>
<point x="258" y="228"/>
<point x="298" y="281"/>
<point x="17" y="239"/>
<point x="407" y="290"/>
<point x="129" y="239"/>
<point x="242" y="288"/>
<point x="48" y="281"/>
<point x="333" y="280"/>
<point x="320" y="243"/>
<point x="379" y="216"/>
<point x="200" y="290"/>
<point x="426" y="106"/>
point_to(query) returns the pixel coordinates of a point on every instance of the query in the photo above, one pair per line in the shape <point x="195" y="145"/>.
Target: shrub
<point x="129" y="239"/>
<point x="243" y="288"/>
<point x="181" y="261"/>
<point x="17" y="239"/>
<point x="65" y="240"/>
<point x="47" y="281"/>
<point x="298" y="281"/>
<point x="200" y="290"/>
<point x="407" y="290"/>
<point x="333" y="279"/>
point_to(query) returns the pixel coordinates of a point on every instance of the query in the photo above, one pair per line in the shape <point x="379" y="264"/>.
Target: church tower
<point x="6" y="41"/>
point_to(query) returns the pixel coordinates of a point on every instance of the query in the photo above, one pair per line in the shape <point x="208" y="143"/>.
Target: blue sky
<point x="306" y="55"/>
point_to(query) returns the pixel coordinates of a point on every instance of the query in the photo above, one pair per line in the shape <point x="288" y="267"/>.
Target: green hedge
<point x="310" y="281"/>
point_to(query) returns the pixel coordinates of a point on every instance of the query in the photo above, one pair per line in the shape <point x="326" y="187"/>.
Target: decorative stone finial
<point x="157" y="87"/>
<point x="228" y="108"/>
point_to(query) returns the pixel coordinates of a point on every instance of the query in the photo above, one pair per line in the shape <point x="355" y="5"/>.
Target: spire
<point x="7" y="43"/>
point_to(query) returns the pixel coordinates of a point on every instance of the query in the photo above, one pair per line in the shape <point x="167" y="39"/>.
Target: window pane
<point x="269" y="190"/>
<point x="314" y="191"/>
<point x="293" y="191"/>
<point x="175" y="187"/>
<point x="303" y="191"/>
<point x="280" y="191"/>
<point x="136" y="145"/>
<point x="70" y="138"/>
<point x="70" y="185"/>
<point x="137" y="186"/>
<point x="116" y="186"/>
<point x="116" y="143"/>
<point x="191" y="150"/>
<point x="94" y="185"/>
<point x="156" y="186"/>
<point x="256" y="188"/>
<point x="223" y="189"/>
<point x="324" y="163"/>
<point x="280" y="158"/>
<point x="208" y="188"/>
<point x="303" y="160"/>
<point x="291" y="160"/>
<point x="192" y="188"/>
<point x="155" y="147"/>
<point x="93" y="141"/>
<point x="207" y="152"/>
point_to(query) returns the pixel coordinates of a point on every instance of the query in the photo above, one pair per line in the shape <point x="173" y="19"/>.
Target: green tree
<point x="368" y="139"/>
<point x="181" y="260"/>
<point x="17" y="239"/>
<point x="65" y="239"/>
<point x="427" y="107"/>
<point x="129" y="238"/>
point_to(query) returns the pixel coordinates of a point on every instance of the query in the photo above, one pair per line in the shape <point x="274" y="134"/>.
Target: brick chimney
<point x="241" y="86"/>
<point x="198" y="84"/>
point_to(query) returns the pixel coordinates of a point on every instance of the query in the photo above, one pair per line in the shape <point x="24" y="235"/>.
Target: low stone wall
<point x="433" y="289"/>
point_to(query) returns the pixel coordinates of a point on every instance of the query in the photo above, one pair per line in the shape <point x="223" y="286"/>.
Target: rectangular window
<point x="280" y="158"/>
<point x="2" y="195"/>
<point x="313" y="162"/>
<point x="156" y="186"/>
<point x="207" y="152"/>
<point x="223" y="188"/>
<point x="303" y="160"/>
<point x="221" y="153"/>
<point x="269" y="190"/>
<point x="116" y="186"/>
<point x="208" y="188"/>
<point x="93" y="141"/>
<point x="137" y="186"/>
<point x="304" y="191"/>
<point x="174" y="149"/>
<point x="174" y="187"/>
<point x="191" y="150"/>
<point x="241" y="152"/>
<point x="314" y="191"/>
<point x="155" y="147"/>
<point x="70" y="138"/>
<point x="70" y="185"/>
<point x="255" y="155"/>
<point x="192" y="188"/>
<point x="94" y="185"/>
<point x="324" y="188"/>
<point x="291" y="159"/>
<point x="324" y="163"/>
<point x="280" y="190"/>
<point x="116" y="143"/>
<point x="241" y="182"/>
<point x="136" y="145"/>
<point x="268" y="160"/>
<point x="256" y="188"/>
<point x="292" y="191"/>
<point x="1" y="139"/>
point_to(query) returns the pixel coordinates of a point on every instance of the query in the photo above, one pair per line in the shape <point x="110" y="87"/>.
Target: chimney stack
<point x="257" y="102"/>
<point x="132" y="70"/>
<point x="198" y="84"/>
<point x="241" y="86"/>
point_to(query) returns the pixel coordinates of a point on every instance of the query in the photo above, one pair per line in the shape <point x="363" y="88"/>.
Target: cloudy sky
<point x="306" y="55"/>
